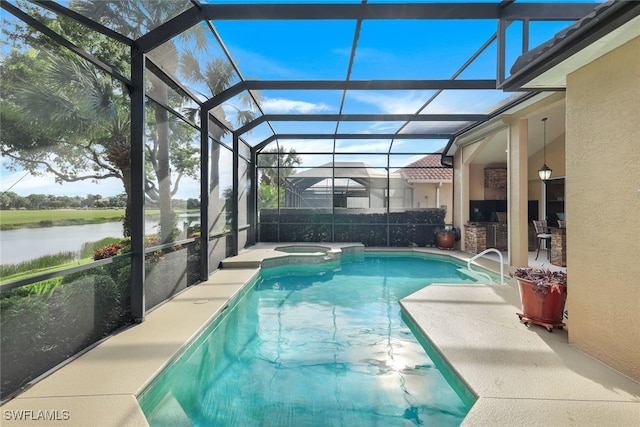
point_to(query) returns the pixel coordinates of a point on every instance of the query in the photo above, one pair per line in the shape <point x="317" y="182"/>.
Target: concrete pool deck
<point x="521" y="376"/>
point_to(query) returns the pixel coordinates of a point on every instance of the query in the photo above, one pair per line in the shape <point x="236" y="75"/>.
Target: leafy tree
<point x="5" y="200"/>
<point x="268" y="196"/>
<point x="130" y="18"/>
<point x="193" y="203"/>
<point x="60" y="114"/>
<point x="67" y="118"/>
<point x="217" y="75"/>
<point x="275" y="165"/>
<point x="91" y="200"/>
<point x="82" y="122"/>
<point x="10" y="200"/>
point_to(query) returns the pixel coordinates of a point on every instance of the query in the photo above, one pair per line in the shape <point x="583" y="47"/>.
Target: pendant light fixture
<point x="544" y="172"/>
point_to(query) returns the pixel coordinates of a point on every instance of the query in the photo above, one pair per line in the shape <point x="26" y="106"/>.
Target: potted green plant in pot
<point x="543" y="294"/>
<point x="445" y="237"/>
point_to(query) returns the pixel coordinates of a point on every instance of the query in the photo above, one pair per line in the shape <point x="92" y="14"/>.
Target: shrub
<point x="106" y="252"/>
<point x="89" y="248"/>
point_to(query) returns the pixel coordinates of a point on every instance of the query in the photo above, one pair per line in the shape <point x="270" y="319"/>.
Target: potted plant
<point x="445" y="237"/>
<point x="543" y="294"/>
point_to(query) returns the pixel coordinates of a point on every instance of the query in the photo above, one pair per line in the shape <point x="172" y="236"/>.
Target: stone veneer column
<point x="475" y="238"/>
<point x="559" y="247"/>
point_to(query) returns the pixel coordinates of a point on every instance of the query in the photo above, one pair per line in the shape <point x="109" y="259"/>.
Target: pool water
<point x="322" y="349"/>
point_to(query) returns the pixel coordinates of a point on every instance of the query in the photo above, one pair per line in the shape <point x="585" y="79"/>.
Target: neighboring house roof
<point x="604" y="19"/>
<point x="427" y="169"/>
<point x="360" y="172"/>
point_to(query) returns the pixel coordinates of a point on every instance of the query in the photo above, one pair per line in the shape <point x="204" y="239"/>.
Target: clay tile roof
<point x="427" y="168"/>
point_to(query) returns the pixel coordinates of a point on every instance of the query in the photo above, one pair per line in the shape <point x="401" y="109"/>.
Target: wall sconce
<point x="544" y="172"/>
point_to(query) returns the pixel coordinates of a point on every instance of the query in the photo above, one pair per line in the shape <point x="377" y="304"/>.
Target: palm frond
<point x="189" y="67"/>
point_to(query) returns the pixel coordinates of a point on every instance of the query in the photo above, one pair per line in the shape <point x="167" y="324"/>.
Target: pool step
<point x="476" y="275"/>
<point x="169" y="412"/>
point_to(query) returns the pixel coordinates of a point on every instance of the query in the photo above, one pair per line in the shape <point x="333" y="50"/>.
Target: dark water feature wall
<point x="371" y="227"/>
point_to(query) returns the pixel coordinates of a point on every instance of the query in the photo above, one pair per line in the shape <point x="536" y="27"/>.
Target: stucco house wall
<point x="446" y="199"/>
<point x="603" y="207"/>
<point x="476" y="182"/>
<point x="425" y="195"/>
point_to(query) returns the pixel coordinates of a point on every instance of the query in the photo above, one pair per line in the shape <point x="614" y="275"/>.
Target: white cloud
<point x="369" y="146"/>
<point x="281" y="105"/>
<point x="391" y="103"/>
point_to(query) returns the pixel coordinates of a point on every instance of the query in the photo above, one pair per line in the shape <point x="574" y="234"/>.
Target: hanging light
<point x="544" y="172"/>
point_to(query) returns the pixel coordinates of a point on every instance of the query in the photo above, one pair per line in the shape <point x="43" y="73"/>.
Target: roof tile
<point x="427" y="168"/>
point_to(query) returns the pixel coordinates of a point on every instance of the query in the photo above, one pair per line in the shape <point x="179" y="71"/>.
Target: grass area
<point x="49" y="218"/>
<point x="49" y="263"/>
<point x="42" y="270"/>
<point x="11" y="270"/>
<point x="89" y="248"/>
<point x="53" y="217"/>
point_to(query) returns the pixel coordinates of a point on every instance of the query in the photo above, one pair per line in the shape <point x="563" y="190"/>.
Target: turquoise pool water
<point x="323" y="349"/>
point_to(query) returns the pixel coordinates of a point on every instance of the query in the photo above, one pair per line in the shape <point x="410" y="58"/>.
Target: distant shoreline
<point x="59" y="223"/>
<point x="16" y="219"/>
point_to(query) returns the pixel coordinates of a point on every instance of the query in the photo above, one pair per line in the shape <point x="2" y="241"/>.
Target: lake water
<point x="24" y="244"/>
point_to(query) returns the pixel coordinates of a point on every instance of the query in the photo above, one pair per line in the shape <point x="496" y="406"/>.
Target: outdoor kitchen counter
<point x="482" y="235"/>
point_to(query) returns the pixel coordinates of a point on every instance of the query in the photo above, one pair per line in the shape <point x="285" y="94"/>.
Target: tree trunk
<point x="215" y="202"/>
<point x="126" y="222"/>
<point x="163" y="171"/>
<point x="119" y="154"/>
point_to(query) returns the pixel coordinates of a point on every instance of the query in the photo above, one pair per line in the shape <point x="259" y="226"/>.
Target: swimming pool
<point x="323" y="349"/>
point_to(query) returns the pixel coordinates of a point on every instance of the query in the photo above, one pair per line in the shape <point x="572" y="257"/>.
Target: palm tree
<point x="276" y="164"/>
<point x="217" y="75"/>
<point x="84" y="123"/>
<point x="132" y="18"/>
<point x="89" y="126"/>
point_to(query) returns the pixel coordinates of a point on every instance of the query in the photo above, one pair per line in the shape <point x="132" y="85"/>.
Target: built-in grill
<point x="496" y="234"/>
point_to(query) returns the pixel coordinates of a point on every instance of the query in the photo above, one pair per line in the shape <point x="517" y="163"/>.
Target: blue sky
<point x="308" y="50"/>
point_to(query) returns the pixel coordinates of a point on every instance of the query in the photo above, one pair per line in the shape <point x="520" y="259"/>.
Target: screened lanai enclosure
<point x="216" y="125"/>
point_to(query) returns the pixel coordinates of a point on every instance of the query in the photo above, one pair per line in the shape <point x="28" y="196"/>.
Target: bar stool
<point x="543" y="235"/>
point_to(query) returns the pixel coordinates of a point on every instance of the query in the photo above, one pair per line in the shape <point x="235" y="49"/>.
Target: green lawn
<point x="37" y="216"/>
<point x="48" y="218"/>
<point x="23" y="275"/>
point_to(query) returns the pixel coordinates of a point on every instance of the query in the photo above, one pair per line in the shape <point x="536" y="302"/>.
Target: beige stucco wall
<point x="462" y="184"/>
<point x="476" y="182"/>
<point x="430" y="190"/>
<point x="446" y="199"/>
<point x="603" y="208"/>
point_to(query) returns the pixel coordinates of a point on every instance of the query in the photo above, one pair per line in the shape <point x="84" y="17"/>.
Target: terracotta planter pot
<point x="542" y="305"/>
<point x="445" y="240"/>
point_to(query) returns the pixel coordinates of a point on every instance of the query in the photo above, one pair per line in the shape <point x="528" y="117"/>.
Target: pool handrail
<point x="486" y="251"/>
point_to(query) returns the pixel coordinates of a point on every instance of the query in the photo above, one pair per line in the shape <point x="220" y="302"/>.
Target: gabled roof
<point x="428" y="168"/>
<point x="359" y="172"/>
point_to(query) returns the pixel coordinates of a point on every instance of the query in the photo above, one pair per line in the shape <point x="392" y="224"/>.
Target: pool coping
<point x="513" y="387"/>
